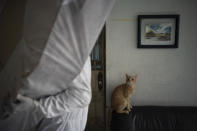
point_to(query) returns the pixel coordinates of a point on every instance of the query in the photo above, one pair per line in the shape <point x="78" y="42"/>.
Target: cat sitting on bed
<point x="121" y="96"/>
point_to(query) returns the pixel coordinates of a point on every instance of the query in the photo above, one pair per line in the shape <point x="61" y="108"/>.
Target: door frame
<point x="104" y="68"/>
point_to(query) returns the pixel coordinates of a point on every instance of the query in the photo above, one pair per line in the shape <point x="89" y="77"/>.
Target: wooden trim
<point x="104" y="68"/>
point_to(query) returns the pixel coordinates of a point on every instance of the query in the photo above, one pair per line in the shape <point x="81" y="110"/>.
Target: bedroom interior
<point x="165" y="97"/>
<point x="166" y="76"/>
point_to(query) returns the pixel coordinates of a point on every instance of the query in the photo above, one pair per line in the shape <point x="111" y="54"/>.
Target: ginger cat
<point x="121" y="96"/>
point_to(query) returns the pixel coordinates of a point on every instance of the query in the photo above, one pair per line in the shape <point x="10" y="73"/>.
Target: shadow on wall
<point x="10" y="34"/>
<point x="2" y="4"/>
<point x="1" y="66"/>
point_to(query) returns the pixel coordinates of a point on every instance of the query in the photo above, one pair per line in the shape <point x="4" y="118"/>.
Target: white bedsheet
<point x="51" y="67"/>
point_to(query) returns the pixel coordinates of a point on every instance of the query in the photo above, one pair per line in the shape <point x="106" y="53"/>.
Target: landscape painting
<point x="158" y="32"/>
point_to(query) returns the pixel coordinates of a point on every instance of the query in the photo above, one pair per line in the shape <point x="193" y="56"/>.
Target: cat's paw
<point x="129" y="108"/>
<point x="127" y="112"/>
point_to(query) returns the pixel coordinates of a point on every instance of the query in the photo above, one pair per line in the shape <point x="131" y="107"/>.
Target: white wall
<point x="165" y="76"/>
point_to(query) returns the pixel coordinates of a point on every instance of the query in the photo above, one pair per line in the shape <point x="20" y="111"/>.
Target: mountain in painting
<point x="159" y="32"/>
<point x="159" y="28"/>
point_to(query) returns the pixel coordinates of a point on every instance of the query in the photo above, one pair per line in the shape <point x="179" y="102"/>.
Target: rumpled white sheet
<point x="66" y="111"/>
<point x="58" y="38"/>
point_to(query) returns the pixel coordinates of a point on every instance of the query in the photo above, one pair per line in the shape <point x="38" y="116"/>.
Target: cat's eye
<point x="132" y="79"/>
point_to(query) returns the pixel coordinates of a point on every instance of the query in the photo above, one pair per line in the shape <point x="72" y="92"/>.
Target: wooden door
<point x="96" y="114"/>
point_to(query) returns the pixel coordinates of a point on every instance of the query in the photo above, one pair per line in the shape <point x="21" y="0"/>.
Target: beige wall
<point x="11" y="23"/>
<point x="165" y="76"/>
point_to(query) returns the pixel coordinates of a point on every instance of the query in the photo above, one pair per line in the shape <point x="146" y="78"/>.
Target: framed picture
<point x="158" y="31"/>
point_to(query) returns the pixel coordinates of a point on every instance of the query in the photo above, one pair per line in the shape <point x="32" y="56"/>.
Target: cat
<point x="121" y="96"/>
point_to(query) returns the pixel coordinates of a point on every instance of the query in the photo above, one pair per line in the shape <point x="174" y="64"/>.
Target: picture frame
<point x="158" y="31"/>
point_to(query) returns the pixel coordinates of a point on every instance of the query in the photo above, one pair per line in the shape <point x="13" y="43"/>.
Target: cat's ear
<point x="127" y="76"/>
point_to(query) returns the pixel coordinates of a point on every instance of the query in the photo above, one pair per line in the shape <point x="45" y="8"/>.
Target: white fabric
<point x="76" y="29"/>
<point x="78" y="95"/>
<point x="51" y="66"/>
<point x="66" y="111"/>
